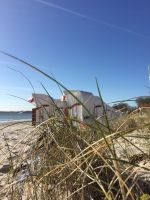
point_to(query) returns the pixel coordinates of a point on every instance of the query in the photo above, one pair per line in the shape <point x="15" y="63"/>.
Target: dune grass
<point x="101" y="161"/>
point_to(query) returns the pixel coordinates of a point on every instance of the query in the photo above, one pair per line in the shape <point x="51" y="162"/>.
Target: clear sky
<point x="75" y="40"/>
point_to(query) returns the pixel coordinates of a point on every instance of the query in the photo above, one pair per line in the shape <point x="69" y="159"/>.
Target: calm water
<point x="10" y="116"/>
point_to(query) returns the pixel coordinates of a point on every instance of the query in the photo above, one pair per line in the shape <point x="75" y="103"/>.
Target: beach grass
<point x="106" y="160"/>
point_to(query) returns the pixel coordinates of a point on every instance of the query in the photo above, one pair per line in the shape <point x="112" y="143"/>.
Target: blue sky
<point x="76" y="40"/>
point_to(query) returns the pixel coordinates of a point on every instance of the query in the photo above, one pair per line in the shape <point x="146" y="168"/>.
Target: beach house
<point x="71" y="106"/>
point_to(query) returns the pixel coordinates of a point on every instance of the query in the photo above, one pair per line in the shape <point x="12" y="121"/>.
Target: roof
<point x="77" y="91"/>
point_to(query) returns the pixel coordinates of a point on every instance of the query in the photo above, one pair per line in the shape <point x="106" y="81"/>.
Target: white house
<point x="71" y="104"/>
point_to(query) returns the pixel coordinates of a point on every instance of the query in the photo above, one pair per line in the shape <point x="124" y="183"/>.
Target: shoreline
<point x="14" y="121"/>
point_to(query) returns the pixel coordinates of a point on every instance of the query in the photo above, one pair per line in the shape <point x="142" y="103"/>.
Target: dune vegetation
<point x="108" y="160"/>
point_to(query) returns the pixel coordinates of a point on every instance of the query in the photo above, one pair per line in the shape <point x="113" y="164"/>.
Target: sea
<point x="15" y="116"/>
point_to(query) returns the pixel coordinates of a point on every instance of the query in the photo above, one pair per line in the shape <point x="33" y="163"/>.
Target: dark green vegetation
<point x="143" y="101"/>
<point x="124" y="107"/>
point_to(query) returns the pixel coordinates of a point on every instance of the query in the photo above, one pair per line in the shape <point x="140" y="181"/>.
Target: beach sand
<point x="15" y="140"/>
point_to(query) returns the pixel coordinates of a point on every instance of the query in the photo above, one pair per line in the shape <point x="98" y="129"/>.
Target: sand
<point x="15" y="141"/>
